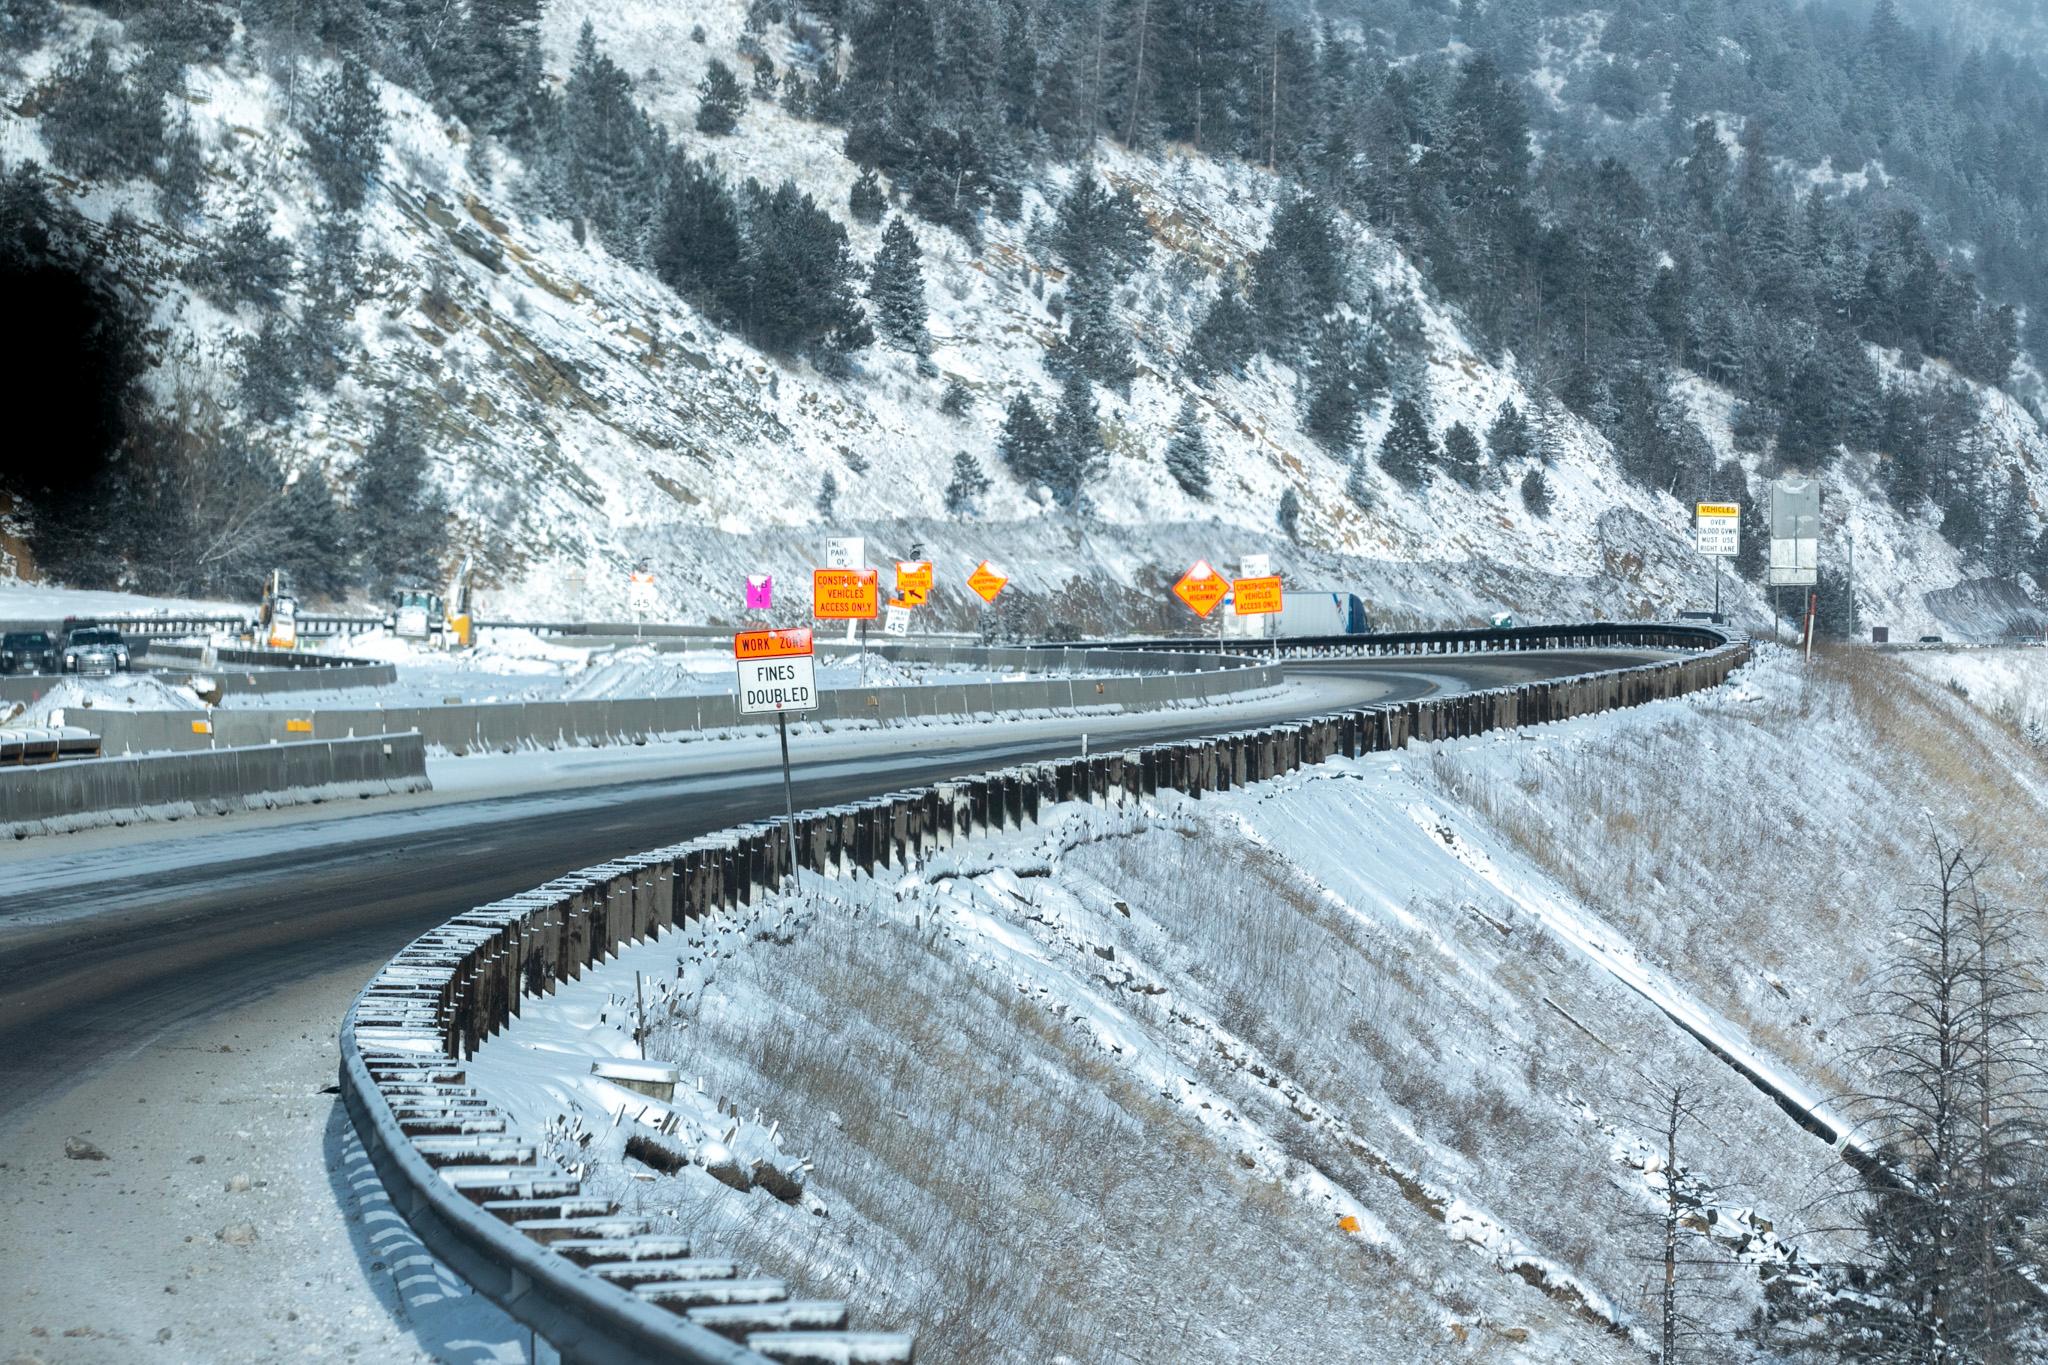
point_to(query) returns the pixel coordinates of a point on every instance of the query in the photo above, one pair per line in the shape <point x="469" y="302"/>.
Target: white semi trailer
<point x="1303" y="611"/>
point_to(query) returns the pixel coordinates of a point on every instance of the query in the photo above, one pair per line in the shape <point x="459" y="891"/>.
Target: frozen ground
<point x="1121" y="1078"/>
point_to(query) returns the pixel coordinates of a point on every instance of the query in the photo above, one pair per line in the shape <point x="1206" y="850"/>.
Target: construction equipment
<point x="441" y="619"/>
<point x="278" y="619"/>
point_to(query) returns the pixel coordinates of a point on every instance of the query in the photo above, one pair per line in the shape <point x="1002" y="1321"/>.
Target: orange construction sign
<point x="913" y="582"/>
<point x="1201" y="588"/>
<point x="987" y="580"/>
<point x="788" y="643"/>
<point x="1255" y="596"/>
<point x="846" y="594"/>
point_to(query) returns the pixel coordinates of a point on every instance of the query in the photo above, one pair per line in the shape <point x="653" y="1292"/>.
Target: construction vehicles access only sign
<point x="846" y="594"/>
<point x="776" y="671"/>
<point x="1201" y="588"/>
<point x="987" y="580"/>
<point x="1256" y="596"/>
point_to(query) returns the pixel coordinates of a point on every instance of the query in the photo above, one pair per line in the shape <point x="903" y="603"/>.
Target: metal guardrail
<point x="1482" y="640"/>
<point x="521" y="1231"/>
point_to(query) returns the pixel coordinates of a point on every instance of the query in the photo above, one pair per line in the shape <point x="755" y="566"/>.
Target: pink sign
<point x="760" y="592"/>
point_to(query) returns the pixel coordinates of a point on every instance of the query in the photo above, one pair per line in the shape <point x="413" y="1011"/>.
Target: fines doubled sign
<point x="776" y="671"/>
<point x="1720" y="529"/>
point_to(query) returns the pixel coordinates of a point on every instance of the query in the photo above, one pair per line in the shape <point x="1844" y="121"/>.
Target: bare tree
<point x="1954" y="1117"/>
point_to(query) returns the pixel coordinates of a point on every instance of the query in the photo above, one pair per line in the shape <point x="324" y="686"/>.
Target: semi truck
<point x="1303" y="611"/>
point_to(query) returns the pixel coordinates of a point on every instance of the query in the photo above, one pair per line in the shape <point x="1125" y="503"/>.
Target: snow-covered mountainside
<point x="581" y="416"/>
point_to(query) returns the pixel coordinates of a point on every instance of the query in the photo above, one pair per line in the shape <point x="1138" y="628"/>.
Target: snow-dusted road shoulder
<point x="205" y="1201"/>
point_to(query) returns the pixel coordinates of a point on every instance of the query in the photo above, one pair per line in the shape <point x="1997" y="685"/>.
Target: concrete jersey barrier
<point x="404" y="1040"/>
<point x="63" y="795"/>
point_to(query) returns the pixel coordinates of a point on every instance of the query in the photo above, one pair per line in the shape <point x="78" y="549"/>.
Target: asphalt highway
<point x="122" y="952"/>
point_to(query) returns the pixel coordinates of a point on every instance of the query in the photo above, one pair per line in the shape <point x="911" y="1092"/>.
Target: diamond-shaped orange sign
<point x="1201" y="588"/>
<point x="987" y="580"/>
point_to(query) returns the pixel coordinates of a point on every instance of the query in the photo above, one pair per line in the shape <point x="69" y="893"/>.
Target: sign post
<point x="777" y="672"/>
<point x="1718" y="527"/>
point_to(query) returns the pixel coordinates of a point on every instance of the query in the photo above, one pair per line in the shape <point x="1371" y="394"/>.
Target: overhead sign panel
<point x="1256" y="596"/>
<point x="846" y="594"/>
<point x="1795" y="533"/>
<point x="987" y="581"/>
<point x="1201" y="588"/>
<point x="1719" y="529"/>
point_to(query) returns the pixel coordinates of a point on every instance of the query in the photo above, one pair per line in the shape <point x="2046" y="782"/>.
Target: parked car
<point x="95" y="651"/>
<point x="28" y="651"/>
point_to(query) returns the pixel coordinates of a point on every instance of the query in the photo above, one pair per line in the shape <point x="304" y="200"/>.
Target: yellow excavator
<point x="277" y="621"/>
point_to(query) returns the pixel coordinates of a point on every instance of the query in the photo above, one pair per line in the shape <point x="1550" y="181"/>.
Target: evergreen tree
<point x="967" y="487"/>
<point x="316" y="546"/>
<point x="1358" y="484"/>
<point x="1187" y="452"/>
<point x="867" y="200"/>
<point x="1507" y="439"/>
<point x="896" y="289"/>
<point x="1026" y="443"/>
<point x="1227" y="336"/>
<point x="1536" y="492"/>
<point x="246" y="264"/>
<point x="828" y="494"/>
<point x="496" y="89"/>
<point x="720" y="100"/>
<point x="179" y="189"/>
<point x="798" y="275"/>
<point x="1288" y="514"/>
<point x="270" y="381"/>
<point x="25" y="23"/>
<point x="699" y="251"/>
<point x="1076" y="450"/>
<point x="97" y="124"/>
<point x="345" y="134"/>
<point x="1299" y="276"/>
<point x="399" y="522"/>
<point x="1461" y="454"/>
<point x="1407" y="451"/>
<point x="958" y="398"/>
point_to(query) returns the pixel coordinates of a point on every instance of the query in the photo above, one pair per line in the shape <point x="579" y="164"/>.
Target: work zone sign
<point x="1201" y="588"/>
<point x="846" y="594"/>
<point x="1255" y="596"/>
<point x="777" y="671"/>
<point x="1719" y="527"/>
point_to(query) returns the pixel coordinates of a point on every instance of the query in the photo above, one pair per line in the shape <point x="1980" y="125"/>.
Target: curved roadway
<point x="109" y="943"/>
